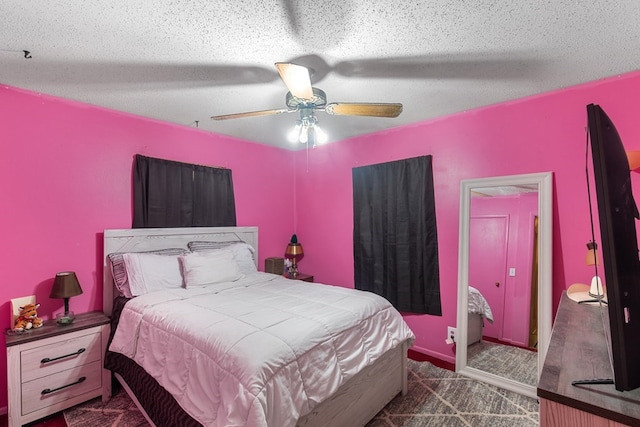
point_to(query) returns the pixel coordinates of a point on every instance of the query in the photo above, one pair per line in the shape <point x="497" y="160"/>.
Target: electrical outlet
<point x="451" y="333"/>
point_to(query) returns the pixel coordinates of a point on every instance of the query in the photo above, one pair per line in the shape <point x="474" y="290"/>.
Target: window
<point x="174" y="194"/>
<point x="394" y="234"/>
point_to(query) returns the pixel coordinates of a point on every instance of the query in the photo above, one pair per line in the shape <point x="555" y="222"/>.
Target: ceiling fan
<point x="305" y="99"/>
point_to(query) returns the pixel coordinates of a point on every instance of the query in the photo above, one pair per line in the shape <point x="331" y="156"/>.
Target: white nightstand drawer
<point x="55" y="357"/>
<point x="66" y="362"/>
<point x="61" y="386"/>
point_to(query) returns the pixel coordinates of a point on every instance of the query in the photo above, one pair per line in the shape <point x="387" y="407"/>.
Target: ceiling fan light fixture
<point x="294" y="134"/>
<point x="320" y="135"/>
<point x="304" y="135"/>
<point x="307" y="130"/>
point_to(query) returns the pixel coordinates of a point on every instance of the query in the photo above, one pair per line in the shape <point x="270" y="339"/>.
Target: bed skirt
<point x="474" y="330"/>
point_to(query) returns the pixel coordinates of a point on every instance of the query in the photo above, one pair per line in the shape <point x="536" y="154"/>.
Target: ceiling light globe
<point x="294" y="134"/>
<point x="321" y="136"/>
<point x="304" y="135"/>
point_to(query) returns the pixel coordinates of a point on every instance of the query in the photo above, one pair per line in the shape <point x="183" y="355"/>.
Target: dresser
<point x="55" y="367"/>
<point x="578" y="351"/>
<point x="302" y="276"/>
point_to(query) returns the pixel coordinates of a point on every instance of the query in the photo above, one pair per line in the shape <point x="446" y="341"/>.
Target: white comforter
<point x="261" y="351"/>
<point x="479" y="305"/>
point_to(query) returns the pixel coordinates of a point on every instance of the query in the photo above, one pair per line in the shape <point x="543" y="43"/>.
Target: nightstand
<point x="55" y="367"/>
<point x="302" y="276"/>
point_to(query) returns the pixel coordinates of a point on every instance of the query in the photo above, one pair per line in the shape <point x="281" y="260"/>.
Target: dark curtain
<point x="174" y="194"/>
<point x="394" y="235"/>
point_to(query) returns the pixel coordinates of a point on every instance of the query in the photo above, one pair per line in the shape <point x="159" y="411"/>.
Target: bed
<point x="478" y="309"/>
<point x="362" y="383"/>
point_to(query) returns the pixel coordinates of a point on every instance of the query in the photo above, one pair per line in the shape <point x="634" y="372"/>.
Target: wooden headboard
<point x="149" y="239"/>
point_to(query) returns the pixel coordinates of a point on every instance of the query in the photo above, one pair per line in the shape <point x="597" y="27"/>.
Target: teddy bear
<point x="28" y="318"/>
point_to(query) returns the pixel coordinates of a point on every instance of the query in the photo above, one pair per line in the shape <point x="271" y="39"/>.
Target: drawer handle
<point x="48" y="359"/>
<point x="49" y="391"/>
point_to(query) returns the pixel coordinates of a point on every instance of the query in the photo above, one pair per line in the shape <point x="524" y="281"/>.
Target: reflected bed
<point x="479" y="310"/>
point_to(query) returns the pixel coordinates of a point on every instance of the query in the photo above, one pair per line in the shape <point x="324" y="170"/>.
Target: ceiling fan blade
<point x="297" y="79"/>
<point x="364" y="109"/>
<point x="251" y="114"/>
<point x="472" y="66"/>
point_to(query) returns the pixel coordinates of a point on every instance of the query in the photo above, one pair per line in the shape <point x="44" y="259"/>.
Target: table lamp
<point x="596" y="290"/>
<point x="294" y="251"/>
<point x="65" y="286"/>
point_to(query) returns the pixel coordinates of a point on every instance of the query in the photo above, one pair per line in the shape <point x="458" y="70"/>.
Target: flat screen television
<point x="617" y="213"/>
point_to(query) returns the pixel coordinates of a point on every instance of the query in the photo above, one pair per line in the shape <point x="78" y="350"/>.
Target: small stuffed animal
<point x="28" y="318"/>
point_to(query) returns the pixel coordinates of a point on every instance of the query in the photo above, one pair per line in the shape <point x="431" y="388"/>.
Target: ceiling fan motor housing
<point x="319" y="100"/>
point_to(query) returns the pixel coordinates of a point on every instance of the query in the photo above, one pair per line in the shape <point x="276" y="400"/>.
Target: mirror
<point x="505" y="274"/>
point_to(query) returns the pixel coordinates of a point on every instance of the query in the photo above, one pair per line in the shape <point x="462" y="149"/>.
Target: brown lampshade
<point x="592" y="256"/>
<point x="294" y="250"/>
<point x="65" y="285"/>
<point x="634" y="159"/>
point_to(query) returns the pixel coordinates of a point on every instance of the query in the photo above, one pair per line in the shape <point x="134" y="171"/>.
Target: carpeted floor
<point x="516" y="363"/>
<point x="119" y="411"/>
<point x="437" y="397"/>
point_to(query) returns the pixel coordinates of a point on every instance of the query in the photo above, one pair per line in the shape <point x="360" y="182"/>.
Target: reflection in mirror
<point x="504" y="280"/>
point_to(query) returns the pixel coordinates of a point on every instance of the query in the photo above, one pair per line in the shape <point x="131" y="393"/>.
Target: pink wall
<point x="65" y="176"/>
<point x="536" y="134"/>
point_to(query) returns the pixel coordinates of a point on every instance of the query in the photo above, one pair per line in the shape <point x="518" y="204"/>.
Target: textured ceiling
<point x="183" y="61"/>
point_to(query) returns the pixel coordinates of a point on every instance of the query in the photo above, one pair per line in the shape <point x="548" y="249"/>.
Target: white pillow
<point x="119" y="270"/>
<point x="208" y="268"/>
<point x="243" y="253"/>
<point x="151" y="272"/>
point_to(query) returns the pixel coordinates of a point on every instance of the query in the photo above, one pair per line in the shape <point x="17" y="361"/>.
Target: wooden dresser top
<point x="578" y="351"/>
<point x="50" y="328"/>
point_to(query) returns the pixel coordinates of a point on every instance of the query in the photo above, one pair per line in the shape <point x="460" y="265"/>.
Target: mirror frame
<point x="545" y="283"/>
